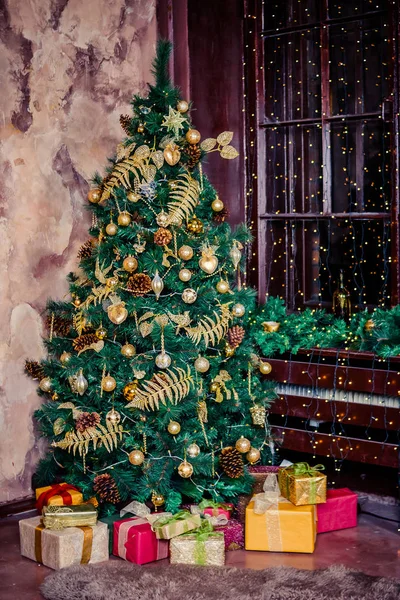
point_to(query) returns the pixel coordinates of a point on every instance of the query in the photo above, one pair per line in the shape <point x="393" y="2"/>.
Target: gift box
<point x="59" y="494"/>
<point x="233" y="534"/>
<point x="202" y="548"/>
<point x="109" y="521"/>
<point x="282" y="528"/>
<point x="339" y="512"/>
<point x="258" y="473"/>
<point x="59" y="517"/>
<point x="135" y="541"/>
<point x="211" y="508"/>
<point x="63" y="548"/>
<point x="302" y="484"/>
<point x="166" y="528"/>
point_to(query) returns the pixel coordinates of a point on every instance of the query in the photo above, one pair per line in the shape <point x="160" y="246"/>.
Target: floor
<point x="372" y="547"/>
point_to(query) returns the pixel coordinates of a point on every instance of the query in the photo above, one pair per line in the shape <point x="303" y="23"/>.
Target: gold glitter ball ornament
<point x="185" y="469"/>
<point x="189" y="295"/>
<point x="174" y="427"/>
<point x="185" y="275"/>
<point x="222" y="286"/>
<point x="130" y="264"/>
<point x="193" y="450"/>
<point x="111" y="229"/>
<point x="195" y="226"/>
<point x="217" y="205"/>
<point x="229" y="350"/>
<point x="157" y="499"/>
<point x="163" y="360"/>
<point x="94" y="195"/>
<point x="265" y="368"/>
<point x="130" y="390"/>
<point x="101" y="333"/>
<point x="77" y="302"/>
<point x="258" y="415"/>
<point x="243" y="445"/>
<point x="124" y="219"/>
<point x="136" y="457"/>
<point x="238" y="310"/>
<point x="108" y="383"/>
<point x="140" y="128"/>
<point x="162" y="219"/>
<point x="185" y="252"/>
<point x="65" y="358"/>
<point x="193" y="136"/>
<point x="182" y="106"/>
<point x="45" y="384"/>
<point x="128" y="350"/>
<point x="253" y="455"/>
<point x="201" y="364"/>
<point x="113" y="416"/>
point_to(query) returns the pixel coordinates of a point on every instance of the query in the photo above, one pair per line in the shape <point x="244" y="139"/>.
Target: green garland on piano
<point x="377" y="332"/>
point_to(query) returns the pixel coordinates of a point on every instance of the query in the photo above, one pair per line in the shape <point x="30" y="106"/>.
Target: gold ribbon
<point x="268" y="503"/>
<point x="86" y="548"/>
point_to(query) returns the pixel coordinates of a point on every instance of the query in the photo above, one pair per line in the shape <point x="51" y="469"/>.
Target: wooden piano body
<point x="338" y="403"/>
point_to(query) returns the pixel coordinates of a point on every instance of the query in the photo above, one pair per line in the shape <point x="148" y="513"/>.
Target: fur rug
<point x="122" y="581"/>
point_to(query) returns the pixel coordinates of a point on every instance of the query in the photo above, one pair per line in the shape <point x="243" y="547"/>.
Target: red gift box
<point x="214" y="512"/>
<point x="339" y="512"/>
<point x="135" y="541"/>
<point x="233" y="534"/>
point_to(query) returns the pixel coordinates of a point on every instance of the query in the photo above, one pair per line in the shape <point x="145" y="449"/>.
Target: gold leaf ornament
<point x="208" y="144"/>
<point x="58" y="426"/>
<point x="211" y="331"/>
<point x="225" y="138"/>
<point x="172" y="385"/>
<point x="184" y="199"/>
<point x="158" y="158"/>
<point x="229" y="152"/>
<point x="122" y="170"/>
<point x="76" y="441"/>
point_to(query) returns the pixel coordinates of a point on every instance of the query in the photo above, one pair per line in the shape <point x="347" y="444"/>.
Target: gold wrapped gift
<point x="166" y="528"/>
<point x="64" y="548"/>
<point x="302" y="484"/>
<point x="59" y="517"/>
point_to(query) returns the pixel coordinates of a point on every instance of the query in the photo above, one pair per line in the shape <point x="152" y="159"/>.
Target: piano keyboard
<point x="338" y="395"/>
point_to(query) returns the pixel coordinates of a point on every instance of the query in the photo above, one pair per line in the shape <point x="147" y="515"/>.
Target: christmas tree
<point x="152" y="390"/>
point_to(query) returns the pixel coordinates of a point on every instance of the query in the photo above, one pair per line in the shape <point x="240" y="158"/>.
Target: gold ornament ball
<point x="140" y="128"/>
<point x="157" y="499"/>
<point x="238" y="310"/>
<point x="185" y="469"/>
<point x="265" y="368"/>
<point x="213" y="387"/>
<point x="124" y="219"/>
<point x="174" y="427"/>
<point x="193" y="450"/>
<point x="112" y="281"/>
<point x="77" y="302"/>
<point x="222" y="286"/>
<point x="182" y="106"/>
<point x="163" y="360"/>
<point x="193" y="136"/>
<point x="136" y="457"/>
<point x="217" y="205"/>
<point x="111" y="229"/>
<point x="45" y="384"/>
<point x="369" y="325"/>
<point x="128" y="350"/>
<point x="201" y="364"/>
<point x="185" y="252"/>
<point x="108" y="383"/>
<point x="195" y="226"/>
<point x="113" y="417"/>
<point x="130" y="264"/>
<point x="130" y="390"/>
<point x="133" y="196"/>
<point x="94" y="195"/>
<point x="65" y="358"/>
<point x="185" y="275"/>
<point x="253" y="455"/>
<point x="101" y="333"/>
<point x="243" y="445"/>
<point x="229" y="351"/>
<point x="162" y="219"/>
<point x="189" y="295"/>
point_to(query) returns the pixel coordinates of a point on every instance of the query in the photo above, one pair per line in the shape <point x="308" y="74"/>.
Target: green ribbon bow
<point x="212" y="504"/>
<point x="179" y="516"/>
<point x="201" y="535"/>
<point x="303" y="468"/>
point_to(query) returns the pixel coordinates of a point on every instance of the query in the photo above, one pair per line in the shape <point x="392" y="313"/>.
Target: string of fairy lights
<point x="356" y="159"/>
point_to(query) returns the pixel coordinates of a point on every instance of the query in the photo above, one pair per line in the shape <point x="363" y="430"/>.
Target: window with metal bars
<point x="321" y="81"/>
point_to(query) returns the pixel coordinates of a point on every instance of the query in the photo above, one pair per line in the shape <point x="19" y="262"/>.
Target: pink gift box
<point x="233" y="534"/>
<point x="135" y="541"/>
<point x="339" y="512"/>
<point x="214" y="512"/>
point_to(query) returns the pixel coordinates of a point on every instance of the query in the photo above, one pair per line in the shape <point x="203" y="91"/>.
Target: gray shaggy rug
<point x="125" y="581"/>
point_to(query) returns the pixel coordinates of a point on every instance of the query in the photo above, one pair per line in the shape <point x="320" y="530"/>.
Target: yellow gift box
<point x="59" y="494"/>
<point x="302" y="484"/>
<point x="282" y="528"/>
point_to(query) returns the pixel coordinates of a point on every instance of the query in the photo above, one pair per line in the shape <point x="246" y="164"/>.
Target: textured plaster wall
<point x="67" y="70"/>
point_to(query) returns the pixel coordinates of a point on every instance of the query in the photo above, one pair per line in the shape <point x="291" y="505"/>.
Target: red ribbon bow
<point x="58" y="489"/>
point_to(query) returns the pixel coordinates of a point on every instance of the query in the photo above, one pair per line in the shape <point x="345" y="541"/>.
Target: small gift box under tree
<point x="302" y="484"/>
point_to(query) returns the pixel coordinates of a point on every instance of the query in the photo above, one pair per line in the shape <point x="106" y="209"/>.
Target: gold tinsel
<point x="106" y="488"/>
<point x="139" y="284"/>
<point x="34" y="369"/>
<point x="162" y="237"/>
<point x="231" y="462"/>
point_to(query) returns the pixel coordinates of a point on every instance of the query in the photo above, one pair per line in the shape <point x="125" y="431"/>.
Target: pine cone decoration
<point x="139" y="284"/>
<point x="162" y="237"/>
<point x="61" y="326"/>
<point x="87" y="420"/>
<point x="235" y="336"/>
<point x="83" y="341"/>
<point x="231" y="462"/>
<point x="85" y="251"/>
<point x="194" y="153"/>
<point x="221" y="216"/>
<point x="125" y="122"/>
<point x="34" y="369"/>
<point x="105" y="486"/>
